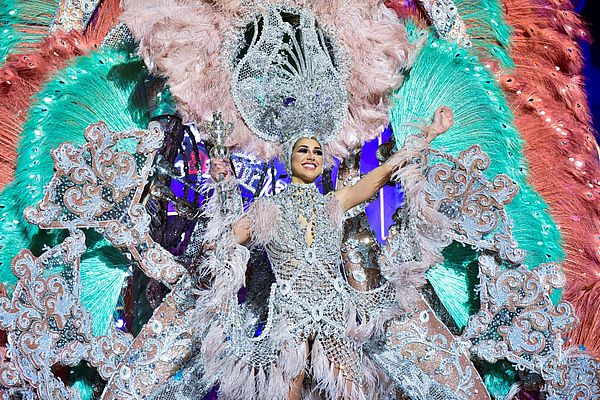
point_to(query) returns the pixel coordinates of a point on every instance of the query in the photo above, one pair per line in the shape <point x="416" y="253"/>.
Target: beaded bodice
<point x="305" y="257"/>
<point x="310" y="299"/>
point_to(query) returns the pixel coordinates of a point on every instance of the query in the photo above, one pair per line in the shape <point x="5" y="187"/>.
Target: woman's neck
<point x="298" y="181"/>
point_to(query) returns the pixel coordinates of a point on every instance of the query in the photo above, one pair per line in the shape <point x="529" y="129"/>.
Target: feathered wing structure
<point x="183" y="41"/>
<point x="531" y="48"/>
<point x="30" y="58"/>
<point x="546" y="92"/>
<point x="22" y="76"/>
<point x="104" y="86"/>
<point x="446" y="74"/>
<point x="541" y="75"/>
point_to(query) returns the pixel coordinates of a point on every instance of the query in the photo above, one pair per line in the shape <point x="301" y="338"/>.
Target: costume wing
<point x="511" y="71"/>
<point x="56" y="79"/>
<point x="516" y="91"/>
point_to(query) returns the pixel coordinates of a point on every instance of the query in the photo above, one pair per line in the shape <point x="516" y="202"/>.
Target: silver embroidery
<point x="448" y="23"/>
<point x="288" y="83"/>
<point x="100" y="185"/>
<point x="47" y="325"/>
<point x="310" y="294"/>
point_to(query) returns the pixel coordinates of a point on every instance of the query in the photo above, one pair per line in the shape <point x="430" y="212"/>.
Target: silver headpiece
<point x="288" y="78"/>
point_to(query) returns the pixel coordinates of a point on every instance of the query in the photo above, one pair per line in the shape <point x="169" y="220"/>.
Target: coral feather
<point x="551" y="113"/>
<point x="20" y="78"/>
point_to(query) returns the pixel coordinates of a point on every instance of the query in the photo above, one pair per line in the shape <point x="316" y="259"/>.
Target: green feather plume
<point x="487" y="28"/>
<point x="103" y="86"/>
<point x="457" y="279"/>
<point x="444" y="74"/>
<point x="498" y="377"/>
<point x="24" y="23"/>
<point x="103" y="272"/>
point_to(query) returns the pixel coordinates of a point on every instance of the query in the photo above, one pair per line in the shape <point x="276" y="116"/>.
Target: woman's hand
<point x="220" y="169"/>
<point x="442" y="121"/>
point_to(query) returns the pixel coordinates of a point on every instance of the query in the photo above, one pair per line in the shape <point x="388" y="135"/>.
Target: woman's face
<point x="307" y="161"/>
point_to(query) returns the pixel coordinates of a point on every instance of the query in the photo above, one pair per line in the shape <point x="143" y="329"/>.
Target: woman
<point x="316" y="319"/>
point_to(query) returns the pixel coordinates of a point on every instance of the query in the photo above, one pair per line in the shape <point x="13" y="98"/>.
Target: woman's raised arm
<point x="370" y="184"/>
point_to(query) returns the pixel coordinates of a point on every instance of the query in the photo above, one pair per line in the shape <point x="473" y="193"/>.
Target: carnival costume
<point x="462" y="300"/>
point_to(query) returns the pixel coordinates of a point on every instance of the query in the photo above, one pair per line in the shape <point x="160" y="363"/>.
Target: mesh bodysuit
<point x="311" y="298"/>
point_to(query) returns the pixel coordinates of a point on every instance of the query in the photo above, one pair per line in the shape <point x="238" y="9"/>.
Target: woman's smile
<point x="309" y="165"/>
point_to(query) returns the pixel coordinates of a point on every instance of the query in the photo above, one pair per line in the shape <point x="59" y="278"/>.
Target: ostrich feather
<point x="22" y="76"/>
<point x="24" y="24"/>
<point x="551" y="113"/>
<point x="446" y="75"/>
<point x="487" y="28"/>
<point x="200" y="81"/>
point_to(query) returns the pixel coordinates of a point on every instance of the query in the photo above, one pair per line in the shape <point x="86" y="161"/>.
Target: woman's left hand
<point x="442" y="121"/>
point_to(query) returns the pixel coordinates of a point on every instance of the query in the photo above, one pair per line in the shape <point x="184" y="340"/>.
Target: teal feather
<point x="487" y="28"/>
<point x="498" y="378"/>
<point x="456" y="279"/>
<point x="104" y="86"/>
<point x="165" y="103"/>
<point x="444" y="74"/>
<point x="24" y="23"/>
<point x="103" y="274"/>
<point x="85" y="390"/>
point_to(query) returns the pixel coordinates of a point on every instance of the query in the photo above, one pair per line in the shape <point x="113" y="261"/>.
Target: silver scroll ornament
<point x="46" y="325"/>
<point x="100" y="185"/>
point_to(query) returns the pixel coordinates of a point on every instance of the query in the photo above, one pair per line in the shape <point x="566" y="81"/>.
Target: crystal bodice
<point x="301" y="231"/>
<point x="305" y="256"/>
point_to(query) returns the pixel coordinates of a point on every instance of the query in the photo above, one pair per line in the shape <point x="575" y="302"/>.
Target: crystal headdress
<point x="288" y="78"/>
<point x="188" y="43"/>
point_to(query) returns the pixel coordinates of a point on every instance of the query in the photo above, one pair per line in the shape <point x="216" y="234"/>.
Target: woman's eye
<point x="302" y="150"/>
<point x="319" y="152"/>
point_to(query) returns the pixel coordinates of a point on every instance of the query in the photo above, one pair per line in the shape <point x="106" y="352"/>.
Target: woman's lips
<point x="309" y="165"/>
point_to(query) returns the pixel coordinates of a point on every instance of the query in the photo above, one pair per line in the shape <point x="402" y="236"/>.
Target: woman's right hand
<point x="220" y="168"/>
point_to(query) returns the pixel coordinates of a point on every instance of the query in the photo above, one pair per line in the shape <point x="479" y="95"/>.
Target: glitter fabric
<point x="310" y="300"/>
<point x="287" y="82"/>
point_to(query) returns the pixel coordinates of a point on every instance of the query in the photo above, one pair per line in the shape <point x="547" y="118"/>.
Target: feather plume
<point x="264" y="217"/>
<point x="200" y="82"/>
<point x="445" y="75"/>
<point x="487" y="28"/>
<point x="22" y="76"/>
<point x="552" y="116"/>
<point x="103" y="274"/>
<point x="103" y="20"/>
<point x="24" y="23"/>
